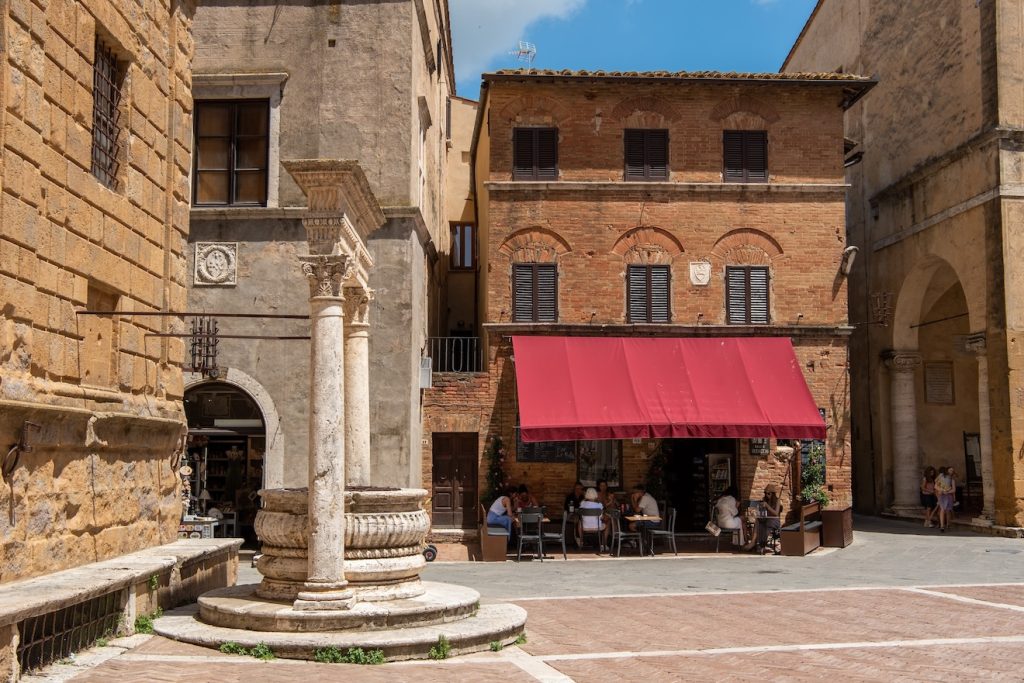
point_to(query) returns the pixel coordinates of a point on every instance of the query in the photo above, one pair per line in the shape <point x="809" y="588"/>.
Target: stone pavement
<point x="901" y="603"/>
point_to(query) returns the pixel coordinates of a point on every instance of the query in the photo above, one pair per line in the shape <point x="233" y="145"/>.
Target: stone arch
<point x="645" y="111"/>
<point x="747" y="247"/>
<point x="273" y="459"/>
<point x="930" y="277"/>
<point x="648" y="245"/>
<point x="535" y="110"/>
<point x="534" y="245"/>
<point x="744" y="104"/>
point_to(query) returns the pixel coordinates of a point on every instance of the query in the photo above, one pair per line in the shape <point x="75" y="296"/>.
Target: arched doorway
<point x="227" y="447"/>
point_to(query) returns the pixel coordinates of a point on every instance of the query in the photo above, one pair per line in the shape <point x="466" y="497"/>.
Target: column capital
<point x="326" y="273"/>
<point x="357" y="305"/>
<point x="901" y="361"/>
<point x="976" y="344"/>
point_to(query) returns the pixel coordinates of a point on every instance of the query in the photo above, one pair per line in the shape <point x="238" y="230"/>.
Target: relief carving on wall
<point x="216" y="263"/>
<point x="700" y="273"/>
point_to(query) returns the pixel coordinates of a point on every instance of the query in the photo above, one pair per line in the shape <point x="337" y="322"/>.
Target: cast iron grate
<point x="54" y="636"/>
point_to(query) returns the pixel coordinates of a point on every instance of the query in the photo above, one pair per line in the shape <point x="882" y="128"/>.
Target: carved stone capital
<point x="357" y="305"/>
<point x="976" y="344"/>
<point x="901" y="361"/>
<point x="326" y="274"/>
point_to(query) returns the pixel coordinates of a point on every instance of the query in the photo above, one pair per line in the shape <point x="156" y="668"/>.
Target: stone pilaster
<point x="325" y="587"/>
<point x="357" y="385"/>
<point x="976" y="344"/>
<point x="906" y="455"/>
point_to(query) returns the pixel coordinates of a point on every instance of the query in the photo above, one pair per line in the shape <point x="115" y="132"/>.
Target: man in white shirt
<point x="643" y="504"/>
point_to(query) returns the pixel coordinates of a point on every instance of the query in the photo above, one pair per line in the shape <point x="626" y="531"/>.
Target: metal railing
<point x="455" y="354"/>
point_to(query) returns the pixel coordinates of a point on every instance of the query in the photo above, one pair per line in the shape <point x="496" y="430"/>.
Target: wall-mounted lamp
<point x="849" y="256"/>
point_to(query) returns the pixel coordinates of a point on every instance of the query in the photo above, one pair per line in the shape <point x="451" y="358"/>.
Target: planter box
<point x="837" y="528"/>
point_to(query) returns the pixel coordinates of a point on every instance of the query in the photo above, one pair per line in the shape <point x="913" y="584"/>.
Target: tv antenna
<point x="526" y="52"/>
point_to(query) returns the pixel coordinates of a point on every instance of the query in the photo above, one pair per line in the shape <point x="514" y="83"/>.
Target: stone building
<point x="934" y="208"/>
<point x="633" y="214"/>
<point x="363" y="81"/>
<point x="95" y="110"/>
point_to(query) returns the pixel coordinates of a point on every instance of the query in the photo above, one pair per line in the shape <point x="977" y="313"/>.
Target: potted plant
<point x="836" y="524"/>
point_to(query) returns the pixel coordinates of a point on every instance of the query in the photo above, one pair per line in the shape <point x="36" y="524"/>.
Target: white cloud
<point x="483" y="29"/>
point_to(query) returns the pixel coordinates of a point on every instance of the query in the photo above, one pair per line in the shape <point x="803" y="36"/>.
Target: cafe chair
<point x="618" y="535"/>
<point x="530" y="531"/>
<point x="586" y="512"/>
<point x="667" y="532"/>
<point x="553" y="537"/>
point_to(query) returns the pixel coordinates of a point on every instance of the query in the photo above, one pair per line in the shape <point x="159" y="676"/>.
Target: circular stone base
<point x="238" y="607"/>
<point x="501" y="622"/>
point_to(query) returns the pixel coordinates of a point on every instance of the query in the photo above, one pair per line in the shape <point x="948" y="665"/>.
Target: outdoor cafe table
<point x="643" y="529"/>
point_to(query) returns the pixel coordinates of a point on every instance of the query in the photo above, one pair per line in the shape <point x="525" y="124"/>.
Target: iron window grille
<point x="648" y="294"/>
<point x="232" y="147"/>
<point x="745" y="156"/>
<point x="534" y="293"/>
<point x="107" y="85"/>
<point x="645" y="154"/>
<point x="746" y="301"/>
<point x="535" y="154"/>
<point x="50" y="637"/>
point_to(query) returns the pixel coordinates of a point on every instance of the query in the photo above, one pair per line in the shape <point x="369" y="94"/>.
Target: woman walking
<point x="929" y="501"/>
<point x="945" y="486"/>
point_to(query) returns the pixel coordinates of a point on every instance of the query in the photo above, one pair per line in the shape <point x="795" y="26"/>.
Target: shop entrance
<point x="697" y="471"/>
<point x="454" y="497"/>
<point x="226" y="447"/>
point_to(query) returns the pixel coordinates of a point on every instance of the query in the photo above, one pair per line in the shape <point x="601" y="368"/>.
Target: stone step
<point x="239" y="607"/>
<point x="498" y="622"/>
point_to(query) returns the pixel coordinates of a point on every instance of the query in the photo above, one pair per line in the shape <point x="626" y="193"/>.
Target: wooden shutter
<point x="547" y="154"/>
<point x="633" y="142"/>
<point x="547" y="293"/>
<point x="736" y="296"/>
<point x="522" y="292"/>
<point x="660" y="278"/>
<point x="755" y="155"/>
<point x="732" y="153"/>
<point x="758" y="299"/>
<point x="637" y="299"/>
<point x="657" y="153"/>
<point x="522" y="153"/>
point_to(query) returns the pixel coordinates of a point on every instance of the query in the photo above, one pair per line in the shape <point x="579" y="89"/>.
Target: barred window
<point x="107" y="84"/>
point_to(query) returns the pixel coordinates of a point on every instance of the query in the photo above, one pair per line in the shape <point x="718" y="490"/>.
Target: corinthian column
<point x="357" y="386"/>
<point x="976" y="345"/>
<point x="326" y="587"/>
<point x="906" y="457"/>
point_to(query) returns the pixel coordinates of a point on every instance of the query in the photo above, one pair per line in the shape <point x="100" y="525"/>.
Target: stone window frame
<point x="110" y="88"/>
<point x="258" y="86"/>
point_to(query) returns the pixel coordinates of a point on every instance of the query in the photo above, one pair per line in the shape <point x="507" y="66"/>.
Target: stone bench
<point x="163" y="576"/>
<point x="805" y="535"/>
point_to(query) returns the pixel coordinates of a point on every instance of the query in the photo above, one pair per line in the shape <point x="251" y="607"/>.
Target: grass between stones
<point x="443" y="649"/>
<point x="354" y="655"/>
<point x="260" y="651"/>
<point x="144" y="622"/>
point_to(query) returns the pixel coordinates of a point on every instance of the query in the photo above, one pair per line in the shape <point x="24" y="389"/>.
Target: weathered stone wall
<point x="99" y="480"/>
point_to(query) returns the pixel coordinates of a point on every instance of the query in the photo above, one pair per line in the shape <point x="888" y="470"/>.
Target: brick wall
<point x="107" y="398"/>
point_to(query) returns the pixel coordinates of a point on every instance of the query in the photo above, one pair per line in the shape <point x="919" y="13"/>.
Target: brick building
<point x="936" y="216"/>
<point x="670" y="207"/>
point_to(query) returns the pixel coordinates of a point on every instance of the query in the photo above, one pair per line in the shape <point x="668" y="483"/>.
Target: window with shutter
<point x="648" y="294"/>
<point x="747" y="298"/>
<point x="535" y="154"/>
<point x="534" y="292"/>
<point x="645" y="154"/>
<point x="745" y="156"/>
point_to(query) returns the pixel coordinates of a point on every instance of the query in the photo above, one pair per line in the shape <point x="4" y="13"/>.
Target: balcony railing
<point x="455" y="354"/>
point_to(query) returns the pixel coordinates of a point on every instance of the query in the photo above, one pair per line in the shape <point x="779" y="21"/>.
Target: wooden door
<point x="454" y="496"/>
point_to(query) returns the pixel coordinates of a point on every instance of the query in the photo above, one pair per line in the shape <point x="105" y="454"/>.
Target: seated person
<point x="605" y="496"/>
<point x="590" y="502"/>
<point x="727" y="515"/>
<point x="525" y="499"/>
<point x="574" y="498"/>
<point x="501" y="513"/>
<point x="773" y="506"/>
<point x="643" y="504"/>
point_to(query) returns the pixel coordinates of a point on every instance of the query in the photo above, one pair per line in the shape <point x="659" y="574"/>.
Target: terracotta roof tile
<point x="682" y="75"/>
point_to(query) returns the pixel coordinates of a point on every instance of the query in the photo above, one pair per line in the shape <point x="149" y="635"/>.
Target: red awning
<point x="624" y="388"/>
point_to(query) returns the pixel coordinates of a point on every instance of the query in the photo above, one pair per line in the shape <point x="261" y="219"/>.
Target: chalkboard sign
<point x="545" y="451"/>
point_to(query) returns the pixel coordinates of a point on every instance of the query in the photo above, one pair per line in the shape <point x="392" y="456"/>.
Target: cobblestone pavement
<point x="898" y="605"/>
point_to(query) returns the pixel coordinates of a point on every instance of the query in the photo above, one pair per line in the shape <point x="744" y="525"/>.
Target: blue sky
<point x="624" y="35"/>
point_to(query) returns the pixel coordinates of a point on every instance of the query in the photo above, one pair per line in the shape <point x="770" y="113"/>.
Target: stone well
<point x="384" y="532"/>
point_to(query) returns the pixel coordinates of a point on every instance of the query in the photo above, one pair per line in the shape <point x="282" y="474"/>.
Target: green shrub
<point x="442" y="650"/>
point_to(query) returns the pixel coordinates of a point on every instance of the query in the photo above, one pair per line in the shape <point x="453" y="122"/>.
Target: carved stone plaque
<point x="700" y="272"/>
<point x="216" y="263"/>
